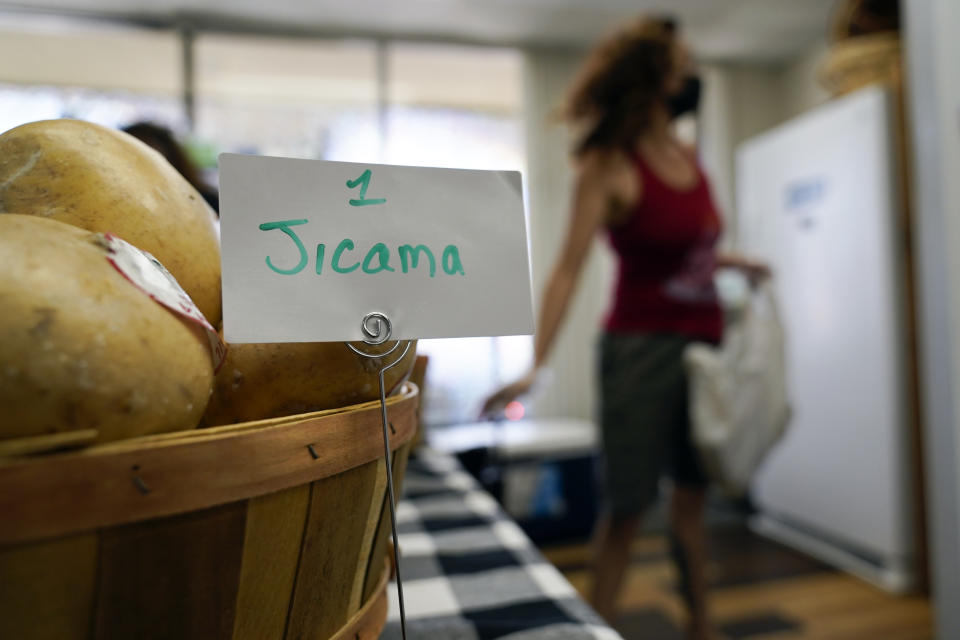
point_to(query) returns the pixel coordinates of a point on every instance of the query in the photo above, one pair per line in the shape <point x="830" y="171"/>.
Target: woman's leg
<point x="641" y="397"/>
<point x="611" y="557"/>
<point x="686" y="519"/>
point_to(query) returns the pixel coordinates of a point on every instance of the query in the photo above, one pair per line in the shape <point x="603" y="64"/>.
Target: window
<point x="336" y="99"/>
<point x="456" y="106"/>
<point x="53" y="67"/>
<point x="296" y="98"/>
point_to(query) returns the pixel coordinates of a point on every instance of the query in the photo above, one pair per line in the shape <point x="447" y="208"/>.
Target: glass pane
<point x="447" y="137"/>
<point x="60" y="51"/>
<point x="54" y="67"/>
<point x="293" y="98"/>
<point x="454" y="106"/>
<point x="477" y="79"/>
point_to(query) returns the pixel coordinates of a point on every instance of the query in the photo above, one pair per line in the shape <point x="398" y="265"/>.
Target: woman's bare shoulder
<point x="600" y="161"/>
<point x="611" y="168"/>
<point x="613" y="172"/>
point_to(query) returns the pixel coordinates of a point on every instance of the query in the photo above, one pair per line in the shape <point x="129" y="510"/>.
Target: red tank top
<point x="667" y="256"/>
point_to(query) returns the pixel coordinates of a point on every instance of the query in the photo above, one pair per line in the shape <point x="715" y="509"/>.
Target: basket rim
<point x="168" y="474"/>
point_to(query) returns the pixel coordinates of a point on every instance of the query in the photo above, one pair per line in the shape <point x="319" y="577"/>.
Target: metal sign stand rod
<point x="377" y="329"/>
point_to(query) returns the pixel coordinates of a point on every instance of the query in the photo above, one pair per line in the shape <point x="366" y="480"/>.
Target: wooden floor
<point x="759" y="590"/>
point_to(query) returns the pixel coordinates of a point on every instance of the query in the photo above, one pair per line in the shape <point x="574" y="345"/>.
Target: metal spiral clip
<point x="377" y="329"/>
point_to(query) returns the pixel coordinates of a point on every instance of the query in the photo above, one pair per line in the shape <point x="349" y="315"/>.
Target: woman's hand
<point x="496" y="402"/>
<point x="755" y="271"/>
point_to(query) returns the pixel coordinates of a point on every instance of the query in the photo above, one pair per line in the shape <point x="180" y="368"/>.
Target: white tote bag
<point x="738" y="393"/>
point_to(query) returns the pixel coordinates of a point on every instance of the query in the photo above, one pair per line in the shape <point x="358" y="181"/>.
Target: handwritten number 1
<point x="363" y="182"/>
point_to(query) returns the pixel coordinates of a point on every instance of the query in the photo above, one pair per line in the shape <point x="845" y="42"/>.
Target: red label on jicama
<point x="150" y="276"/>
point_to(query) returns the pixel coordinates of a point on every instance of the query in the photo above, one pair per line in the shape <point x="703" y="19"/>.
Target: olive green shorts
<point x="644" y="419"/>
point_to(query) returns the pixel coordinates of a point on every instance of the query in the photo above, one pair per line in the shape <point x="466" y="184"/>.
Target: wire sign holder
<point x="377" y="329"/>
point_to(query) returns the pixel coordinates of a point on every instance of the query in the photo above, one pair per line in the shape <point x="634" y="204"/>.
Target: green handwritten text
<point x="451" y="261"/>
<point x="364" y="182"/>
<point x="284" y="225"/>
<point x="381" y="252"/>
<point x="377" y="258"/>
<point x="410" y="254"/>
<point x="345" y="245"/>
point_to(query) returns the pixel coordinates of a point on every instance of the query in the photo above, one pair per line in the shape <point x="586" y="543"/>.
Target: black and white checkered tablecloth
<point x="470" y="573"/>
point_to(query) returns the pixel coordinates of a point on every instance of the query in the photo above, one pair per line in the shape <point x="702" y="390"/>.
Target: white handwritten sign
<point x="310" y="247"/>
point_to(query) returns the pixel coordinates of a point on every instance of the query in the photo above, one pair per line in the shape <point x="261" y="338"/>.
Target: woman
<point x="639" y="183"/>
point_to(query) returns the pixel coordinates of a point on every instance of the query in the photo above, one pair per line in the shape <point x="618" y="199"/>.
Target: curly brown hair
<point x="619" y="84"/>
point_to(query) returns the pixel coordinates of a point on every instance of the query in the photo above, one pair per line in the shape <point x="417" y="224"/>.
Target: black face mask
<point x="687" y="99"/>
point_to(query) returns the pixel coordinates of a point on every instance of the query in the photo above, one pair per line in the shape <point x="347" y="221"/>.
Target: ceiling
<point x="742" y="30"/>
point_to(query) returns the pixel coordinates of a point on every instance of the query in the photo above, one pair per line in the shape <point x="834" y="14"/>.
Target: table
<point x="556" y="438"/>
<point x="543" y="471"/>
<point x="470" y="573"/>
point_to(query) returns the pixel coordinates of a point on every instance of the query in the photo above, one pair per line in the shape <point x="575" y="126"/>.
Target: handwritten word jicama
<point x="377" y="259"/>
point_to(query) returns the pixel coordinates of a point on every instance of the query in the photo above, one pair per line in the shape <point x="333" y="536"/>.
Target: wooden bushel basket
<point x="256" y="531"/>
<point x="854" y="63"/>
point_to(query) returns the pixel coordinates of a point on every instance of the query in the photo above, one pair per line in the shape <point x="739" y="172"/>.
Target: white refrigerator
<point x="818" y="200"/>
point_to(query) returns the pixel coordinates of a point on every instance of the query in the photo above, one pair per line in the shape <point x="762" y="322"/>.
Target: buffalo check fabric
<point x="470" y="573"/>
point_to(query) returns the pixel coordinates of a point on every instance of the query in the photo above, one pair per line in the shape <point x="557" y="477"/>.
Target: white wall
<point x="800" y="89"/>
<point x="567" y="386"/>
<point x="933" y="50"/>
<point x="741" y="101"/>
